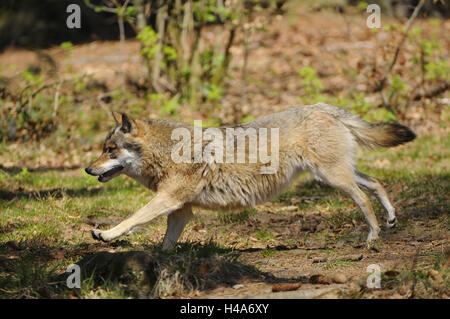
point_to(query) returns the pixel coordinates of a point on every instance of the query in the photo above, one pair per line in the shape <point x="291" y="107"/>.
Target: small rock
<point x="289" y="209"/>
<point x="320" y="279"/>
<point x="238" y="286"/>
<point x="319" y="260"/>
<point x="286" y="287"/>
<point x="339" y="278"/>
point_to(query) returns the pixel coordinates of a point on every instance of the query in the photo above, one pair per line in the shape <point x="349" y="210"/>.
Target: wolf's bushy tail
<point x="378" y="135"/>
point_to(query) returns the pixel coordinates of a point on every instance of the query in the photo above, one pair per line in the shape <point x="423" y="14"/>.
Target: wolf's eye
<point x="110" y="149"/>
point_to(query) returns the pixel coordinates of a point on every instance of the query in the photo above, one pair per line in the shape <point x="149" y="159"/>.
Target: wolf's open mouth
<point x="109" y="173"/>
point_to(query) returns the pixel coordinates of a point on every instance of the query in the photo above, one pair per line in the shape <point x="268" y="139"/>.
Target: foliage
<point x="30" y="117"/>
<point x="178" y="59"/>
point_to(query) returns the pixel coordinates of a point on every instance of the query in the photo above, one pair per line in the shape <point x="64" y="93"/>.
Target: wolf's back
<point x="367" y="134"/>
<point x="370" y="134"/>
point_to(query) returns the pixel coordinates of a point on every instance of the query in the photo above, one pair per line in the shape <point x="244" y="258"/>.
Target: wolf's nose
<point x="88" y="170"/>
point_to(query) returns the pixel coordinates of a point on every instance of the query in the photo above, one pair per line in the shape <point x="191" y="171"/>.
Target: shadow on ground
<point x="14" y="170"/>
<point x="140" y="274"/>
<point x="54" y="192"/>
<point x="153" y="272"/>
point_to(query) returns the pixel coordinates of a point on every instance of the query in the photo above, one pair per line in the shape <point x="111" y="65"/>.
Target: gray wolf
<point x="319" y="138"/>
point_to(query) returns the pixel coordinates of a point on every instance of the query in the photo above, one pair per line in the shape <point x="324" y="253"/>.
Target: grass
<point x="233" y="217"/>
<point x="264" y="235"/>
<point x="46" y="215"/>
<point x="268" y="252"/>
<point x="337" y="263"/>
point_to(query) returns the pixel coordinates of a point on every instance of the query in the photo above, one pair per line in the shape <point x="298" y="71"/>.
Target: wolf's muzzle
<point x="89" y="171"/>
<point x="106" y="175"/>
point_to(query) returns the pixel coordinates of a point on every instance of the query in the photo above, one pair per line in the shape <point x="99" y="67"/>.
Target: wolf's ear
<point x="116" y="117"/>
<point x="128" y="124"/>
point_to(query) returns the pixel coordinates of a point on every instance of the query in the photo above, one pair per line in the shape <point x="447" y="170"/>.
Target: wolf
<point x="319" y="138"/>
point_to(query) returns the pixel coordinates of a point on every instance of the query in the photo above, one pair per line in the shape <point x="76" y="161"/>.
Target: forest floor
<point x="307" y="231"/>
<point x="310" y="235"/>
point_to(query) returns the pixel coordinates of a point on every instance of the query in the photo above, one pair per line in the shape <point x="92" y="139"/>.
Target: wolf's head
<point x="121" y="151"/>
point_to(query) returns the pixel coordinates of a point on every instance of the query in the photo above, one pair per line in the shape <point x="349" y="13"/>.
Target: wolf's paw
<point x="97" y="235"/>
<point x="372" y="240"/>
<point x="391" y="223"/>
<point x="373" y="234"/>
<point x="374" y="245"/>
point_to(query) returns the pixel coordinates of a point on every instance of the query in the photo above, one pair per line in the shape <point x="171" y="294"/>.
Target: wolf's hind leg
<point x="372" y="185"/>
<point x="342" y="178"/>
<point x="176" y="222"/>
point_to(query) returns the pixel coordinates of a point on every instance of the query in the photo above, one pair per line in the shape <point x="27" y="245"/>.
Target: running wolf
<point x="319" y="138"/>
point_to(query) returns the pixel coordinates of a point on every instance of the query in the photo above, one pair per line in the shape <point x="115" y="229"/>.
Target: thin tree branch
<point x="55" y="108"/>
<point x="381" y="84"/>
<point x="43" y="87"/>
<point x="439" y="89"/>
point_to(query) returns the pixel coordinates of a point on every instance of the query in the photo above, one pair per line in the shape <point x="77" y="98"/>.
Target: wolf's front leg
<point x="175" y="225"/>
<point x="161" y="204"/>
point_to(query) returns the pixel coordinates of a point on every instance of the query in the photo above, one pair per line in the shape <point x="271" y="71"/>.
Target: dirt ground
<point x="345" y="264"/>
